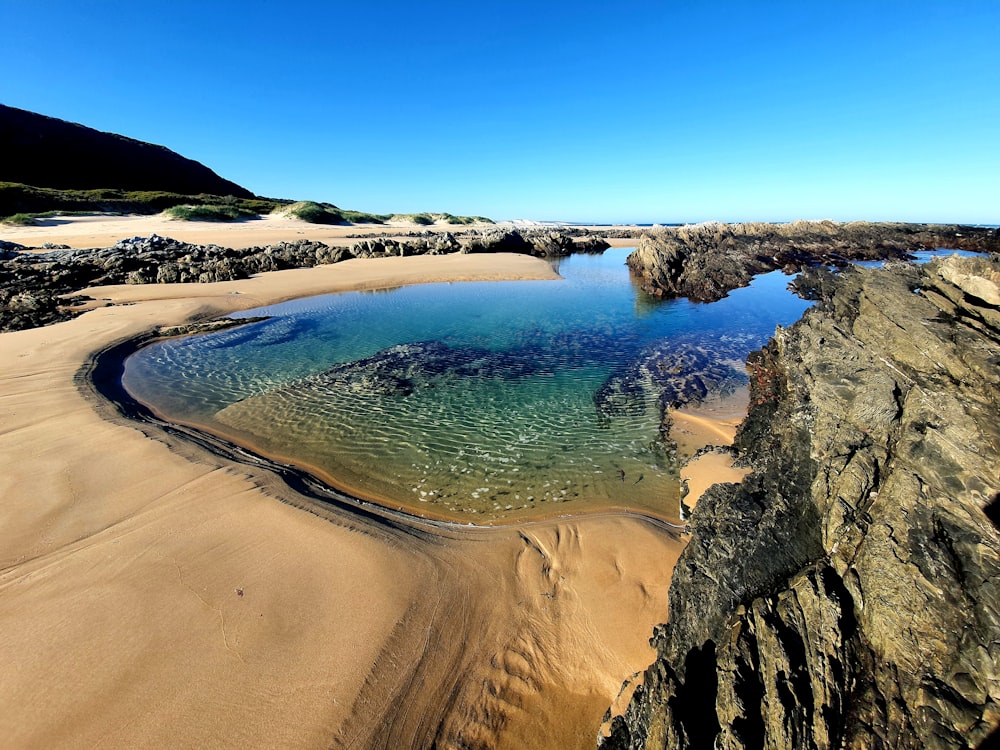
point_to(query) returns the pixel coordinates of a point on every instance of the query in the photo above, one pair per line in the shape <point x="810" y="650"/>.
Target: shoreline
<point x="182" y="604"/>
<point x="102" y="230"/>
<point x="103" y="375"/>
<point x="702" y="427"/>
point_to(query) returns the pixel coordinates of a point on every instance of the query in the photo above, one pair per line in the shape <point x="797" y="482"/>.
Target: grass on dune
<point x="37" y="202"/>
<point x="21" y="204"/>
<point x="209" y="213"/>
<point x="327" y="213"/>
<point x="429" y="219"/>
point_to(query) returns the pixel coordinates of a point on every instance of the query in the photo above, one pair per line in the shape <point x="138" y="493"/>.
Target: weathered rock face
<point x="847" y="593"/>
<point x="386" y="247"/>
<point x="31" y="284"/>
<point x="705" y="261"/>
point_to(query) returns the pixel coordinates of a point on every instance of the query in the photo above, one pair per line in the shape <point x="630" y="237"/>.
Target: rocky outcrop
<point x="847" y="593"/>
<point x="428" y="243"/>
<point x="48" y="152"/>
<point x="540" y="243"/>
<point x="32" y="285"/>
<point x="703" y="262"/>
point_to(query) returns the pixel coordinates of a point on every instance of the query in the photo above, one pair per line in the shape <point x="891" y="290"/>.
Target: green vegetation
<point x="22" y="204"/>
<point x="359" y="217"/>
<point x="209" y="213"/>
<point x="449" y="219"/>
<point x="28" y="219"/>
<point x="20" y="220"/>
<point x="427" y="219"/>
<point x="28" y="200"/>
<point x="314" y="213"/>
<point x="327" y="213"/>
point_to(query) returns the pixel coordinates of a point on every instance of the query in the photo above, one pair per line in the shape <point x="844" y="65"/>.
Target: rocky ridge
<point x="847" y="593"/>
<point x="33" y="285"/>
<point x="703" y="262"/>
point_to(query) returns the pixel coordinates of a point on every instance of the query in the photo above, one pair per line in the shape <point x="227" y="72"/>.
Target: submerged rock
<point x="402" y="369"/>
<point x="674" y="373"/>
<point x="847" y="593"/>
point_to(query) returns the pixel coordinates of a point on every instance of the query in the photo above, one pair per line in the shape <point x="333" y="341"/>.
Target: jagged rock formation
<point x="31" y="284"/>
<point x="705" y="261"/>
<point x="48" y="152"/>
<point x="427" y="243"/>
<point x="545" y="244"/>
<point x="847" y="593"/>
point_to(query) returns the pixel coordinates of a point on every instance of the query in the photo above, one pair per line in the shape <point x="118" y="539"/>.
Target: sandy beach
<point x="104" y="231"/>
<point x="154" y="594"/>
<point x="713" y="423"/>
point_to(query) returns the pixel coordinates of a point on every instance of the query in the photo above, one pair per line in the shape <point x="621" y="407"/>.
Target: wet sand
<point x="710" y="424"/>
<point x="155" y="594"/>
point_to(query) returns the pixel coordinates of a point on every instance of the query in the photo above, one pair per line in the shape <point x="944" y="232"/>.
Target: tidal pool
<point x="474" y="401"/>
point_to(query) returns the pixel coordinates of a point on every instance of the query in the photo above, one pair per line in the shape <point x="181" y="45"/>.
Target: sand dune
<point x="155" y="595"/>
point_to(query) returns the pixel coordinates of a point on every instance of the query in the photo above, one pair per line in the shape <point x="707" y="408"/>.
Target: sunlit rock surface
<point x="847" y="593"/>
<point x="705" y="261"/>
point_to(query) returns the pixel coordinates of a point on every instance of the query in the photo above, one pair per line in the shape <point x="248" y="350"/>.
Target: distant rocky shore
<point x="33" y="285"/>
<point x="847" y="593"/>
<point x="703" y="262"/>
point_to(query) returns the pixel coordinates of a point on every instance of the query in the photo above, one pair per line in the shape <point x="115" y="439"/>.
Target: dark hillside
<point x="47" y="152"/>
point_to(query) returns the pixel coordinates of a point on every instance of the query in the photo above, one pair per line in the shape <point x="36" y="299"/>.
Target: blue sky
<point x="578" y="111"/>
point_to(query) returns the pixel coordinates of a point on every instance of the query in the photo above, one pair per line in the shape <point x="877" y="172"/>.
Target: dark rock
<point x="551" y="244"/>
<point x="9" y="249"/>
<point x="847" y="593"/>
<point x="498" y="241"/>
<point x="675" y="373"/>
<point x="155" y="259"/>
<point x="402" y="369"/>
<point x="595" y="245"/>
<point x="704" y="262"/>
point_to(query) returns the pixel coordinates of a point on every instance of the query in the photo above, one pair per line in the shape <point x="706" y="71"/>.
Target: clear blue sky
<point x="597" y="111"/>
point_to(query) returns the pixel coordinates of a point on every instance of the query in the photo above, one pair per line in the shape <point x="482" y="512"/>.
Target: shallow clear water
<point x="472" y="400"/>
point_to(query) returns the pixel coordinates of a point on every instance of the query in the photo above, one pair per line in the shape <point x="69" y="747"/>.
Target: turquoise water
<point x="472" y="400"/>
